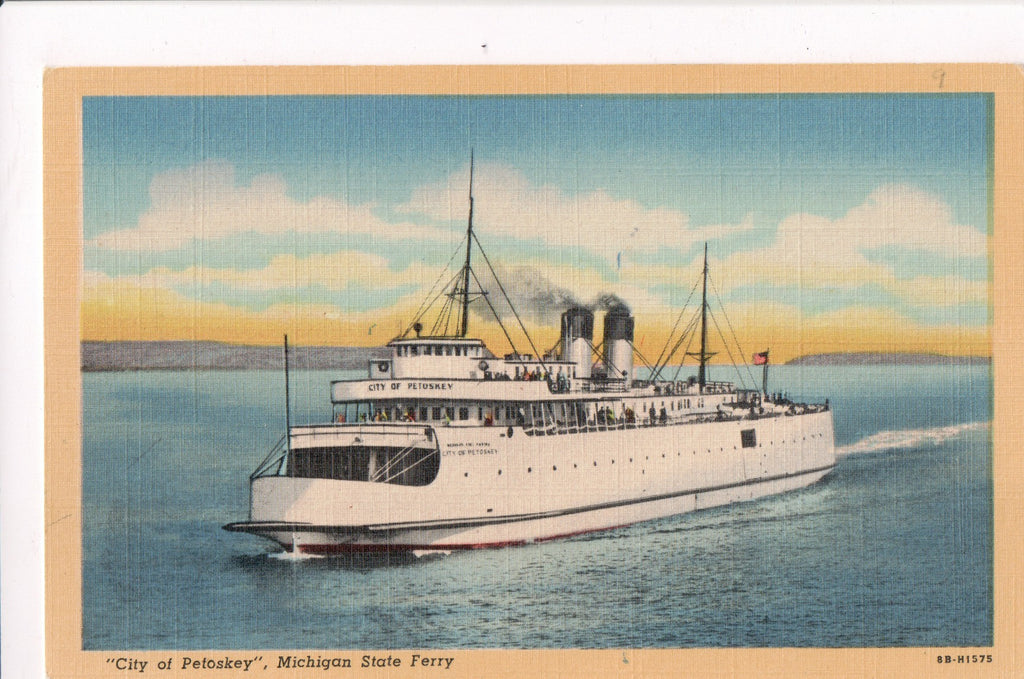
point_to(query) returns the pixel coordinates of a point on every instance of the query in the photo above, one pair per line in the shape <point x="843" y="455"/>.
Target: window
<point x="748" y="438"/>
<point x="463" y="413"/>
<point x="435" y="413"/>
<point x="423" y="413"/>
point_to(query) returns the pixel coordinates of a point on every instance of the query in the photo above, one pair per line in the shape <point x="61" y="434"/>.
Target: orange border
<point x="62" y="214"/>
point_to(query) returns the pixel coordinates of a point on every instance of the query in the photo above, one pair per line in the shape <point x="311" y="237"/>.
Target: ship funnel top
<point x="577" y="337"/>
<point x="578" y="322"/>
<point x="618" y="323"/>
<point x="618" y="343"/>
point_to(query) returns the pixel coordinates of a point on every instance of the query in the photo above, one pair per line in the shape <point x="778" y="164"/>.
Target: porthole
<point x="529" y="470"/>
<point x="466" y="475"/>
<point x="499" y="472"/>
<point x="554" y="468"/>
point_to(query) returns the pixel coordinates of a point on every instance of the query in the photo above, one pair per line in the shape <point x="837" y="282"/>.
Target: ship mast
<point x="702" y="370"/>
<point x="469" y="243"/>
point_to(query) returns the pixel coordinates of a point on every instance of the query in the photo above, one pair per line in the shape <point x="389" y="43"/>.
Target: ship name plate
<point x="460" y="448"/>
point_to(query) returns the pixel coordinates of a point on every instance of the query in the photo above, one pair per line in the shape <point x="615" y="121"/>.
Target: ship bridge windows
<point x="404" y="466"/>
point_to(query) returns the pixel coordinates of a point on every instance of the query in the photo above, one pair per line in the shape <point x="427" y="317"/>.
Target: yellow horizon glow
<point x="111" y="313"/>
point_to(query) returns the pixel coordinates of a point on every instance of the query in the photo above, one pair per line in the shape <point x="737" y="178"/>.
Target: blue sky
<point x="738" y="171"/>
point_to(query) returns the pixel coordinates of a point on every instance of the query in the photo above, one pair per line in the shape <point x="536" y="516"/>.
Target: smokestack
<point x="618" y="343"/>
<point x="577" y="337"/>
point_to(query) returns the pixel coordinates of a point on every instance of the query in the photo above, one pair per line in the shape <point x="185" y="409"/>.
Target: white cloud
<point x="204" y="202"/>
<point x="507" y="203"/>
<point x="333" y="271"/>
<point x="815" y="252"/>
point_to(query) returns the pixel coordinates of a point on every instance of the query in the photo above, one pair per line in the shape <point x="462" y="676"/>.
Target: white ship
<point x="445" y="446"/>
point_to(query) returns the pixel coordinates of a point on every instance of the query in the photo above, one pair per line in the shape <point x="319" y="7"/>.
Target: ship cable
<point x="428" y="301"/>
<point x="692" y="328"/>
<point x="510" y="305"/>
<point x="735" y="339"/>
<point x="688" y="332"/>
<point x="658" y="364"/>
<point x="495" y="312"/>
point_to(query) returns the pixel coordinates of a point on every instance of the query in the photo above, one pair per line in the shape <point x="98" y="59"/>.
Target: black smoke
<point x="535" y="296"/>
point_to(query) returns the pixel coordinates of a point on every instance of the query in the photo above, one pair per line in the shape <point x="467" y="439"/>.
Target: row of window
<point x="530" y="415"/>
<point x="436" y="350"/>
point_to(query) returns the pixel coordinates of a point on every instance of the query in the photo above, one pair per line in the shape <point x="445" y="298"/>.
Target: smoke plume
<point x="535" y="296"/>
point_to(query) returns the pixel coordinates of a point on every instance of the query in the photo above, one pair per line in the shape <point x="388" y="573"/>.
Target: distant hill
<point x="113" y="356"/>
<point x="867" y="358"/>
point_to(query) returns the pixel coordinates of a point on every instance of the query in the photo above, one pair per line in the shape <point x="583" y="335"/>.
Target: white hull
<point x="492" y="490"/>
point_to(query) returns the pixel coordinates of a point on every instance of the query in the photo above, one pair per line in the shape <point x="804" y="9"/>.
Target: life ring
<point x="483" y="365"/>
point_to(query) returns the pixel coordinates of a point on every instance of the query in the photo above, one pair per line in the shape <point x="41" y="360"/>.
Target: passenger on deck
<point x="663" y="417"/>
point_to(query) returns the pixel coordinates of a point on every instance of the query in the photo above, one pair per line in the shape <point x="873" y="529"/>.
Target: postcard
<point x="531" y="370"/>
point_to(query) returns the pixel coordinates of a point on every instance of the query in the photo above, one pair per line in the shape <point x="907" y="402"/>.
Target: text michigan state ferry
<point x="445" y="446"/>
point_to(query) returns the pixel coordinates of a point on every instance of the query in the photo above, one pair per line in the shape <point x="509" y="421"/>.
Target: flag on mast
<point x="761" y="358"/>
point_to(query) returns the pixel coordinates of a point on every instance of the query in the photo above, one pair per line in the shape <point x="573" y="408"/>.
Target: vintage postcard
<point x="532" y="370"/>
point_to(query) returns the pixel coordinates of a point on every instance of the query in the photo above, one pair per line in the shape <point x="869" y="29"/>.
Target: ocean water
<point x="894" y="548"/>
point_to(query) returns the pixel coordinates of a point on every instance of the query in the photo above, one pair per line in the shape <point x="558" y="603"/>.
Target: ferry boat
<point x="445" y="446"/>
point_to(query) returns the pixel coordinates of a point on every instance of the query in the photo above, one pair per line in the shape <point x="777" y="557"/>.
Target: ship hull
<point x="516" y="490"/>
<point x="512" y="531"/>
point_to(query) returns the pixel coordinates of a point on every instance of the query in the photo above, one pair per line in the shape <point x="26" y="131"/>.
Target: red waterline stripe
<point x="349" y="548"/>
<point x="363" y="548"/>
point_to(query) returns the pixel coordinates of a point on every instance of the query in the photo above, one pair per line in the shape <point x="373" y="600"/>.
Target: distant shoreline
<point x="868" y="358"/>
<point x="131" y="356"/>
<point x="203" y="355"/>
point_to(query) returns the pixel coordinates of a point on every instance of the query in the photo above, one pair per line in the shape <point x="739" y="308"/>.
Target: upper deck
<point x="504" y="389"/>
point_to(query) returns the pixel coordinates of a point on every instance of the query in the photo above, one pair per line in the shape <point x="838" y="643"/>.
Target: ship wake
<point x="909" y="439"/>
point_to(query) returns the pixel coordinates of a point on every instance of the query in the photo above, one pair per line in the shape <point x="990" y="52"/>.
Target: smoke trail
<point x="535" y="296"/>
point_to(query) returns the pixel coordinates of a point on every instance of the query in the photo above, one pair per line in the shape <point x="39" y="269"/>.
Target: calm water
<point x="894" y="548"/>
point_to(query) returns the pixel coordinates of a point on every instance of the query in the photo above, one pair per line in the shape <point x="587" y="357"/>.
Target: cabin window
<point x="463" y="413"/>
<point x="435" y="413"/>
<point x="479" y="413"/>
<point x="549" y="414"/>
<point x="415" y="351"/>
<point x="449" y="413"/>
<point x="381" y="464"/>
<point x="748" y="438"/>
<point x="423" y="413"/>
